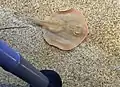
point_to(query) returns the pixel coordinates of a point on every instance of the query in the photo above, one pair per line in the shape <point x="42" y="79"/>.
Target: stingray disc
<point x="65" y="29"/>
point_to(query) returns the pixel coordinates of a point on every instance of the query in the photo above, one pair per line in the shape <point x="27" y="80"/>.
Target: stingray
<point x="64" y="29"/>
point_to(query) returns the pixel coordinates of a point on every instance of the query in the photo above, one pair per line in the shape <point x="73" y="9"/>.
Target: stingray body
<point x="64" y="29"/>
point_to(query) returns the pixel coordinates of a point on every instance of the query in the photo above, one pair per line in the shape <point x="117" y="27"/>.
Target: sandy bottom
<point x="94" y="63"/>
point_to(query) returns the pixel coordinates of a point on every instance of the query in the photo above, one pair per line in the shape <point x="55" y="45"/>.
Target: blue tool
<point x="13" y="62"/>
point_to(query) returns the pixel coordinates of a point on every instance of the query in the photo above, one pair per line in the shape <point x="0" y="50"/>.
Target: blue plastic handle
<point x="12" y="61"/>
<point x="8" y="56"/>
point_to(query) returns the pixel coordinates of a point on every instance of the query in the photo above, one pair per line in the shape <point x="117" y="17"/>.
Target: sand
<point x="94" y="63"/>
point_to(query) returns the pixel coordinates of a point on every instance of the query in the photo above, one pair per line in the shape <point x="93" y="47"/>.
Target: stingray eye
<point x="77" y="31"/>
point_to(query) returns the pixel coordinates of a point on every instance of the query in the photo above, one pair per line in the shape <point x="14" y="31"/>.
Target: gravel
<point x="94" y="63"/>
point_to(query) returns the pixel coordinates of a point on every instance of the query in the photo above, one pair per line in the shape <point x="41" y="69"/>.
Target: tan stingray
<point x="65" y="29"/>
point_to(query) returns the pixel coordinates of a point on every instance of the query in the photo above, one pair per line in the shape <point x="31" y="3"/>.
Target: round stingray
<point x="65" y="29"/>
